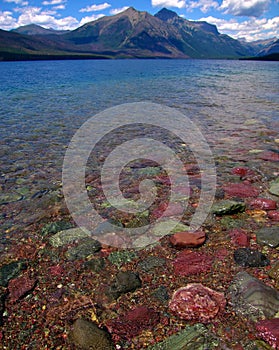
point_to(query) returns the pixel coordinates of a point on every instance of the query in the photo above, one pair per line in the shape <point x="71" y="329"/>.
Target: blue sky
<point x="249" y="19"/>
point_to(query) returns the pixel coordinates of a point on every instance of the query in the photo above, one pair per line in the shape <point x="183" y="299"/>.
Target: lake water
<point x="42" y="104"/>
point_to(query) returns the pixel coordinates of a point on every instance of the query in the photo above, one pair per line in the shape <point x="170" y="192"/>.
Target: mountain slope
<point x="34" y="29"/>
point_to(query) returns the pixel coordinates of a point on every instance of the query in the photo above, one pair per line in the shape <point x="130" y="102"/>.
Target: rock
<point x="194" y="337"/>
<point x="251" y="298"/>
<point x="20" y="286"/>
<point x="263" y="203"/>
<point x="6" y="198"/>
<point x="242" y="171"/>
<point x="125" y="282"/>
<point x="95" y="265"/>
<point x="269" y="155"/>
<point x="268" y="236"/>
<point x="187" y="239"/>
<point x="258" y="345"/>
<point x="121" y="257"/>
<point x="241" y="190"/>
<point x="54" y="227"/>
<point x="250" y="258"/>
<point x="269" y="331"/>
<point x="168" y="210"/>
<point x="84" y="249"/>
<point x="197" y="302"/>
<point x="227" y="207"/>
<point x="135" y="321"/>
<point x="107" y="227"/>
<point x="68" y="236"/>
<point x="2" y="305"/>
<point x="274" y="272"/>
<point x="161" y="294"/>
<point x="192" y="263"/>
<point x="273" y="215"/>
<point x="89" y="336"/>
<point x="274" y="187"/>
<point x="168" y="226"/>
<point x="11" y="270"/>
<point x="239" y="237"/>
<point x="150" y="263"/>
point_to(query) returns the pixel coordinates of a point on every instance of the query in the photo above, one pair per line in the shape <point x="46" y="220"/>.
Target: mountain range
<point x="130" y="34"/>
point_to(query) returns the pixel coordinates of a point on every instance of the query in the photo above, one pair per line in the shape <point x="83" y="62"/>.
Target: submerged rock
<point x="135" y="321"/>
<point x="274" y="187"/>
<point x="20" y="286"/>
<point x="274" y="272"/>
<point x="89" y="336"/>
<point x="150" y="263"/>
<point x="125" y="282"/>
<point x="191" y="263"/>
<point x="268" y="236"/>
<point x="187" y="239"/>
<point x="68" y="236"/>
<point x="194" y="337"/>
<point x="11" y="270"/>
<point x="269" y="331"/>
<point x="239" y="237"/>
<point x="54" y="227"/>
<point x="241" y="190"/>
<point x="197" y="302"/>
<point x="84" y="249"/>
<point x="2" y="305"/>
<point x="252" y="298"/>
<point x="247" y="257"/>
<point x="227" y="207"/>
<point x="263" y="203"/>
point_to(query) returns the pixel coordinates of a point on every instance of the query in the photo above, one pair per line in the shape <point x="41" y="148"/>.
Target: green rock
<point x="9" y="271"/>
<point x="258" y="345"/>
<point x="121" y="257"/>
<point x="227" y="207"/>
<point x="149" y="171"/>
<point x="24" y="191"/>
<point x="68" y="236"/>
<point x="150" y="263"/>
<point x="194" y="337"/>
<point x="84" y="249"/>
<point x="274" y="272"/>
<point x="274" y="187"/>
<point x="167" y="226"/>
<point x="6" y="198"/>
<point x="54" y="227"/>
<point x="95" y="265"/>
<point x="268" y="236"/>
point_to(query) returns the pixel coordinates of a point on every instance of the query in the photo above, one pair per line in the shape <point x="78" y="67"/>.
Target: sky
<point x="241" y="19"/>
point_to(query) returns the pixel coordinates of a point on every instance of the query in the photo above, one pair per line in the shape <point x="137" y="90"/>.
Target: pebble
<point x="247" y="257"/>
<point x="225" y="207"/>
<point x="195" y="337"/>
<point x="2" y="305"/>
<point x="241" y="190"/>
<point x="191" y="263"/>
<point x="168" y="226"/>
<point x="11" y="270"/>
<point x="89" y="336"/>
<point x="150" y="263"/>
<point x="197" y="302"/>
<point x="273" y="215"/>
<point x="252" y="298"/>
<point x="135" y="321"/>
<point x="84" y="249"/>
<point x="54" y="227"/>
<point x="125" y="282"/>
<point x="239" y="237"/>
<point x="187" y="239"/>
<point x="268" y="236"/>
<point x="263" y="203"/>
<point x="274" y="187"/>
<point x="21" y="286"/>
<point x="274" y="272"/>
<point x="161" y="294"/>
<point x="68" y="236"/>
<point x="121" y="257"/>
<point x="269" y="331"/>
<point x="269" y="155"/>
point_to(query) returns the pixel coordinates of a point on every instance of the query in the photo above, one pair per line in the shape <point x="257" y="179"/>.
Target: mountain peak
<point x="166" y="14"/>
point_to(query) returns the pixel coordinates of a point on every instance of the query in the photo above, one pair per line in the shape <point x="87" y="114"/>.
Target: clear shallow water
<point x="42" y="104"/>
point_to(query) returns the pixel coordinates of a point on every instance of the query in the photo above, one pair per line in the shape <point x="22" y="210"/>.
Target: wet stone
<point x="252" y="298"/>
<point x="168" y="226"/>
<point x="269" y="331"/>
<point x="274" y="272"/>
<point x="225" y="207"/>
<point x="268" y="236"/>
<point x="107" y="227"/>
<point x="54" y="227"/>
<point x="6" y="198"/>
<point x="161" y="294"/>
<point x="263" y="203"/>
<point x="274" y="187"/>
<point x="95" y="265"/>
<point x="194" y="337"/>
<point x="247" y="257"/>
<point x="188" y="239"/>
<point x="68" y="236"/>
<point x="241" y="190"/>
<point x="192" y="263"/>
<point x="150" y="263"/>
<point x="121" y="257"/>
<point x="89" y="336"/>
<point x="257" y="345"/>
<point x="2" y="305"/>
<point x="125" y="282"/>
<point x="84" y="249"/>
<point x="11" y="270"/>
<point x="239" y="237"/>
<point x="21" y="286"/>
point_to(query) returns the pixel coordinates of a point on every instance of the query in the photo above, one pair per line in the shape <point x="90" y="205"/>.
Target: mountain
<point x="34" y="29"/>
<point x="130" y="34"/>
<point x="273" y="48"/>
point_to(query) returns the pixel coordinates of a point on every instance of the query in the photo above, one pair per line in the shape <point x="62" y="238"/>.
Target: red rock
<point x="197" y="302"/>
<point x="273" y="215"/>
<point x="239" y="237"/>
<point x="263" y="203"/>
<point x="269" y="331"/>
<point x="241" y="190"/>
<point x="20" y="286"/>
<point x="242" y="171"/>
<point x="167" y="210"/>
<point x="221" y="254"/>
<point x="269" y="155"/>
<point x="191" y="263"/>
<point x="56" y="270"/>
<point x="134" y="322"/>
<point x="187" y="239"/>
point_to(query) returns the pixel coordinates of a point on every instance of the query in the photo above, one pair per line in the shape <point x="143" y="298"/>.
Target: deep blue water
<point x="42" y="104"/>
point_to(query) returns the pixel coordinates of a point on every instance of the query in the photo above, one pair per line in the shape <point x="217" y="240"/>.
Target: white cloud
<point x="59" y="7"/>
<point x="53" y="2"/>
<point x="18" y="2"/>
<point x="169" y="3"/>
<point x="249" y="8"/>
<point x="94" y="8"/>
<point x="7" y="21"/>
<point x="251" y="30"/>
<point x="88" y="19"/>
<point x="118" y="10"/>
<point x="204" y="5"/>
